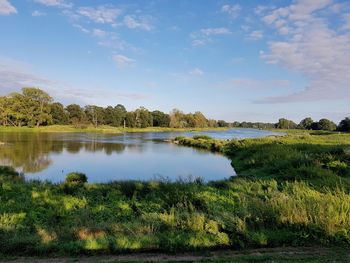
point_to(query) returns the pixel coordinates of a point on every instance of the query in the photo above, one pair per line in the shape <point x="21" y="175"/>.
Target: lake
<point x="111" y="157"/>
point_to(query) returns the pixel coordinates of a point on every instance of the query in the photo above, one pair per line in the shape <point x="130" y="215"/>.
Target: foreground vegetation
<point x="291" y="191"/>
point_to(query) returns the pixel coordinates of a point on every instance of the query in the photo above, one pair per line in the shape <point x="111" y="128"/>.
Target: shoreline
<point x="103" y="129"/>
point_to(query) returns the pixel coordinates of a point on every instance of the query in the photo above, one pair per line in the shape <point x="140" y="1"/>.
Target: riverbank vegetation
<point x="33" y="107"/>
<point x="290" y="191"/>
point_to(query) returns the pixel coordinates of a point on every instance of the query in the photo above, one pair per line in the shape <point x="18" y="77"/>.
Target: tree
<point x="177" y="119"/>
<point x="108" y="115"/>
<point x="344" y="125"/>
<point x="222" y="123"/>
<point x="285" y="124"/>
<point x="160" y="119"/>
<point x="119" y="115"/>
<point x="5" y="111"/>
<point x="75" y="113"/>
<point x="94" y="114"/>
<point x="143" y="118"/>
<point x="212" y="123"/>
<point x="37" y="105"/>
<point x="59" y="115"/>
<point x="326" y="125"/>
<point x="199" y="120"/>
<point x="130" y="119"/>
<point x="306" y="124"/>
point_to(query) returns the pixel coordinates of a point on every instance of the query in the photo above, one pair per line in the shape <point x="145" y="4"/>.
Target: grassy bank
<point x="291" y="191"/>
<point x="99" y="129"/>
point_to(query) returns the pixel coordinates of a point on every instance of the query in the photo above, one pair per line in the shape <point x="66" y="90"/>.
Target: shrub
<point x="76" y="178"/>
<point x="203" y="137"/>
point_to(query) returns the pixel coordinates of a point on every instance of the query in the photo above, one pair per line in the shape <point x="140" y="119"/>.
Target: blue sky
<point x="232" y="60"/>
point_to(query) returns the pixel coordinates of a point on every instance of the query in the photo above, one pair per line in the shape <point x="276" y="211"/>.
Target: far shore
<point x="103" y="129"/>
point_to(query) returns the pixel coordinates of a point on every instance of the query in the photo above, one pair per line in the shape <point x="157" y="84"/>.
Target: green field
<point x="290" y="191"/>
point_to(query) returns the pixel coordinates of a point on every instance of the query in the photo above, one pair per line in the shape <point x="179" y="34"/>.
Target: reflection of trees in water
<point x="30" y="152"/>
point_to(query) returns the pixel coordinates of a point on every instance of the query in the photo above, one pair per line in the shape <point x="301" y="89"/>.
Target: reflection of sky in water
<point x="103" y="157"/>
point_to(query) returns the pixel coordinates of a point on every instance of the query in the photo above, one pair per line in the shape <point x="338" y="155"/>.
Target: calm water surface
<point x="104" y="157"/>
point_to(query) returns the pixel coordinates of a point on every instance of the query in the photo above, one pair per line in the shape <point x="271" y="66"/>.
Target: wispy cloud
<point x="6" y="8"/>
<point x="232" y="10"/>
<point x="100" y="14"/>
<point x="309" y="45"/>
<point x="55" y="3"/>
<point x="253" y="84"/>
<point x="38" y="13"/>
<point x="204" y="35"/>
<point x="99" y="33"/>
<point x="196" y="72"/>
<point x="141" y="22"/>
<point x="123" y="61"/>
<point x="256" y="35"/>
<point x="15" y="74"/>
<point x="81" y="28"/>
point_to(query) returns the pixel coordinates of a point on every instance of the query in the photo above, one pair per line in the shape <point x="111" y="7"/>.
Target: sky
<point x="232" y="60"/>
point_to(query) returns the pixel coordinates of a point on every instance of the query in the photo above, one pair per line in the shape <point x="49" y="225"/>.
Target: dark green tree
<point x="130" y="119"/>
<point x="326" y="125"/>
<point x="75" y="113"/>
<point x="59" y="115"/>
<point x="143" y="118"/>
<point x="344" y="125"/>
<point x="222" y="123"/>
<point x="37" y="106"/>
<point x="160" y="119"/>
<point x="306" y="124"/>
<point x="94" y="114"/>
<point x="285" y="124"/>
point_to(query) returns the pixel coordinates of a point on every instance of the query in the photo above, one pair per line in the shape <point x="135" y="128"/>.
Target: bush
<point x="203" y="137"/>
<point x="76" y="178"/>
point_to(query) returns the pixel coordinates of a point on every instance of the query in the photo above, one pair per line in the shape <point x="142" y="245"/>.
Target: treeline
<point x="34" y="107"/>
<point x="310" y="124"/>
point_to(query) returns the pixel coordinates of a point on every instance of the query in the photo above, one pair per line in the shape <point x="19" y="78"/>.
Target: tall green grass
<point x="291" y="190"/>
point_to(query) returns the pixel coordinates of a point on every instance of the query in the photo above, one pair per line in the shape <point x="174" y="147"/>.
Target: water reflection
<point x="31" y="152"/>
<point x="103" y="157"/>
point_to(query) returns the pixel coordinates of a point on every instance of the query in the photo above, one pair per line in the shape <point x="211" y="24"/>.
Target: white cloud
<point x="123" y="61"/>
<point x="99" y="33"/>
<point x="260" y="9"/>
<point x="204" y="35"/>
<point x="256" y="35"/>
<point x="141" y="22"/>
<point x="232" y="10"/>
<point x="55" y="3"/>
<point x="311" y="47"/>
<point x="81" y="28"/>
<point x="38" y="13"/>
<point x="215" y="31"/>
<point x="15" y="75"/>
<point x="101" y="14"/>
<point x="196" y="72"/>
<point x="6" y="8"/>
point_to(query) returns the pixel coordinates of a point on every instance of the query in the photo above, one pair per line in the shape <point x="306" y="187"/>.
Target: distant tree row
<point x="310" y="124"/>
<point x="34" y="107"/>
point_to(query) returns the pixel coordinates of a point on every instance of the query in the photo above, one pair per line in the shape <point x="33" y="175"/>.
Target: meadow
<point x="290" y="191"/>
